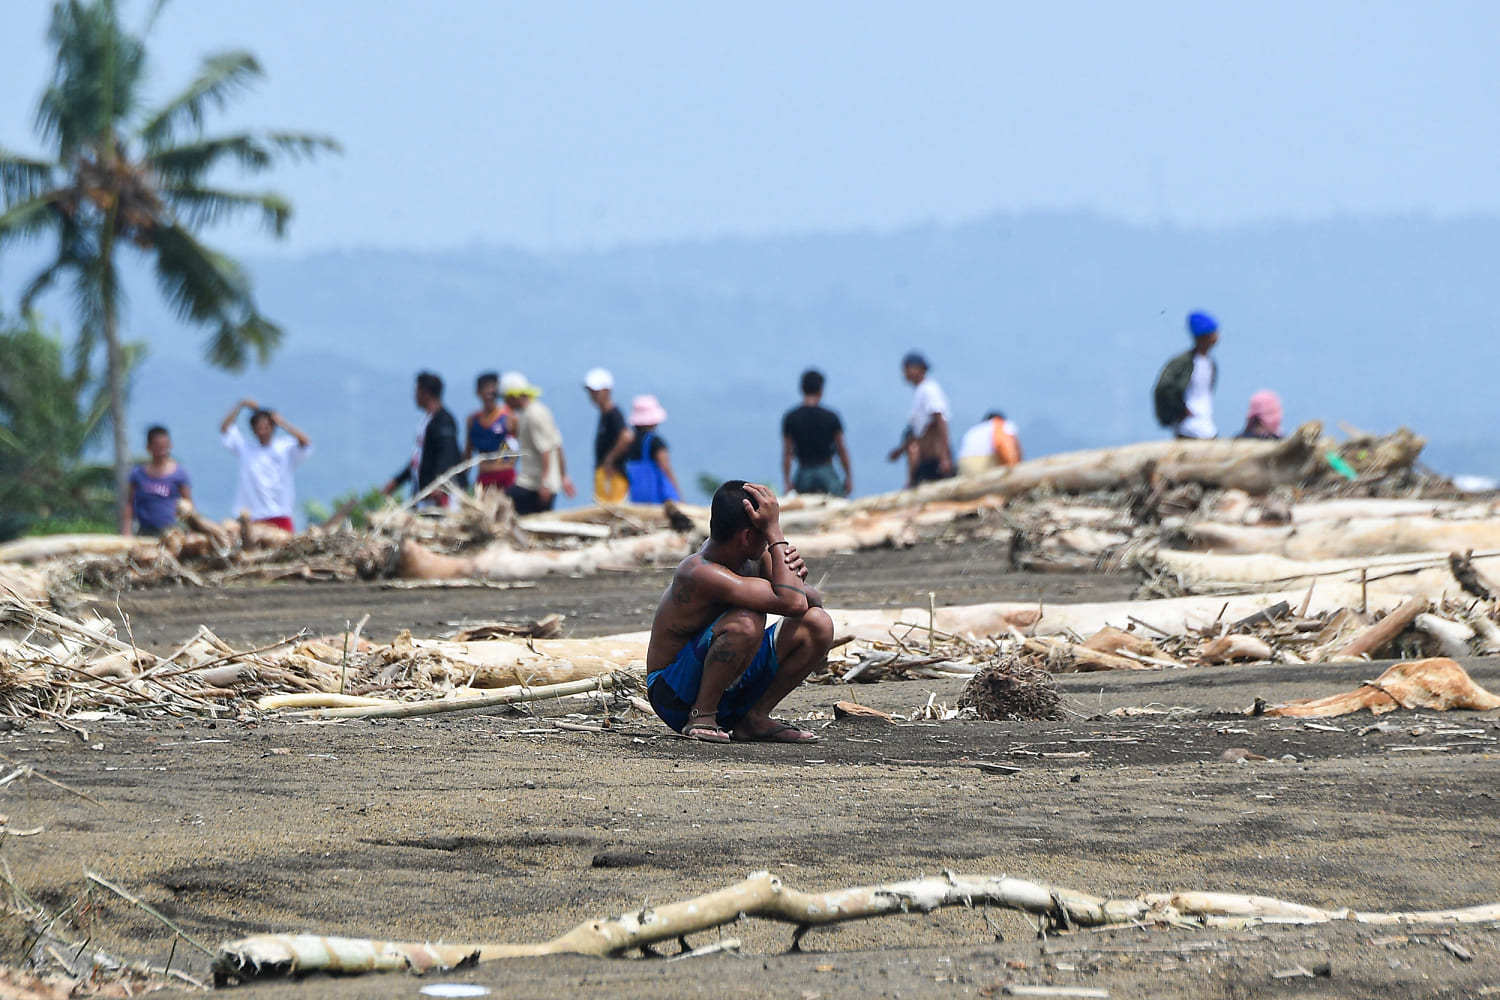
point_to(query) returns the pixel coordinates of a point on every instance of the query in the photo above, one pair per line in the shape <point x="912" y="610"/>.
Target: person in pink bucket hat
<point x="648" y="464"/>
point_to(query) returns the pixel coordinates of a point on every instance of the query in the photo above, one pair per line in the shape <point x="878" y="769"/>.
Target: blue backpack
<point x="648" y="483"/>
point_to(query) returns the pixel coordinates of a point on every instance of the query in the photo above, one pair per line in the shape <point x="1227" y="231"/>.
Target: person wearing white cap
<point x="543" y="471"/>
<point x="612" y="439"/>
<point x="647" y="463"/>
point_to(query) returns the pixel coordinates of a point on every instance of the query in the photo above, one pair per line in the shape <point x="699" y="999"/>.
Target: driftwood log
<point x="1256" y="467"/>
<point x="1437" y="684"/>
<point x="505" y="562"/>
<point x="764" y="895"/>
<point x="1365" y="536"/>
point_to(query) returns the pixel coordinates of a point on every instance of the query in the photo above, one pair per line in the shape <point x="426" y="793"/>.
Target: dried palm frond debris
<point x="53" y="666"/>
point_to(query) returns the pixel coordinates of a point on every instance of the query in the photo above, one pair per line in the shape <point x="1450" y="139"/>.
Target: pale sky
<point x="557" y="124"/>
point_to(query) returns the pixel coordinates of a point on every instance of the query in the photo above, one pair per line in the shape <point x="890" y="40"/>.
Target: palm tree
<point x="119" y="177"/>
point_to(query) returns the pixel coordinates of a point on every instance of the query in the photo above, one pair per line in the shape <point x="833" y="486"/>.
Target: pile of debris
<point x="53" y="666"/>
<point x="1094" y="510"/>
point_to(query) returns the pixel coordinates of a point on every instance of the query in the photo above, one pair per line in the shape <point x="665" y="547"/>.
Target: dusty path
<point x="502" y="827"/>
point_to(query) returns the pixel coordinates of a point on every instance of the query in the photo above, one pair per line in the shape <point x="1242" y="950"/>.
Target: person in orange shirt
<point x="989" y="444"/>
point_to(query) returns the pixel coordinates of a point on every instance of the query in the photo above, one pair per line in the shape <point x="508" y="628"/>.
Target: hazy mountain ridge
<point x="1062" y="320"/>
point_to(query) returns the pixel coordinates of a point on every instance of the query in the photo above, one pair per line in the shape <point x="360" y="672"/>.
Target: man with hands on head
<point x="714" y="670"/>
<point x="266" y="487"/>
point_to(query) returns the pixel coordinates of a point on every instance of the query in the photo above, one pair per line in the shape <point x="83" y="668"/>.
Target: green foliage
<point x="118" y="177"/>
<point x="51" y="412"/>
<point x="708" y="484"/>
<point x="354" y="505"/>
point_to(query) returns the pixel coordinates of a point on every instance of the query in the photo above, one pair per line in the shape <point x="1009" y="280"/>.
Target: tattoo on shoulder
<point x="685" y="590"/>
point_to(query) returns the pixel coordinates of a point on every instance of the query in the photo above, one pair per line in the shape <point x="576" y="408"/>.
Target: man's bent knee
<point x="815" y="626"/>
<point x="819" y="625"/>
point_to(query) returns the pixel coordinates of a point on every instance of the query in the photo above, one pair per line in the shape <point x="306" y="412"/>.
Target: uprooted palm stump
<point x="1438" y="684"/>
<point x="1006" y="688"/>
<point x="764" y="895"/>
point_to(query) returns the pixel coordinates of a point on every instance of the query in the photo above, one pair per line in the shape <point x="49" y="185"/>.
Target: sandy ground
<point x="501" y="827"/>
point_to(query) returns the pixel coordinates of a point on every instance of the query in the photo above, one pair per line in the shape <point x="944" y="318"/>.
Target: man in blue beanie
<point x="1184" y="395"/>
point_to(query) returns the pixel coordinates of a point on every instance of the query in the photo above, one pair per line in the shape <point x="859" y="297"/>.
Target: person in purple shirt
<point x="155" y="487"/>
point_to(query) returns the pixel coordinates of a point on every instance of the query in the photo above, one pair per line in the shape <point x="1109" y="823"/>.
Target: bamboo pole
<point x="510" y="696"/>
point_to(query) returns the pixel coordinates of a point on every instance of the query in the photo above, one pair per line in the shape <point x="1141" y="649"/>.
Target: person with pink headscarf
<point x="1264" y="419"/>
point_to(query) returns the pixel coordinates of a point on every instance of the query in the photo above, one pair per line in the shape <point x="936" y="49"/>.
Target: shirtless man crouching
<point x="714" y="671"/>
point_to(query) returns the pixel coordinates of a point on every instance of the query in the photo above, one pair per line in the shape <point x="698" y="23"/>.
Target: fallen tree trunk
<point x="764" y="895"/>
<point x="1170" y="616"/>
<point x="59" y="546"/>
<point x="494" y="663"/>
<point x="1213" y="573"/>
<point x="1376" y="536"/>
<point x="23" y="582"/>
<point x="504" y="562"/>
<point x="1253" y="466"/>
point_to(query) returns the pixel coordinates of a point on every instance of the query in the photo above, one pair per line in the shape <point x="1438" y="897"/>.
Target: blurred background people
<point x="488" y="432"/>
<point x="648" y="464"/>
<point x="612" y="438"/>
<point x="437" y="449"/>
<point x="813" y="434"/>
<point x="155" y="487"/>
<point x="1264" y="419"/>
<point x="267" y="487"/>
<point x="543" y="469"/>
<point x="989" y="444"/>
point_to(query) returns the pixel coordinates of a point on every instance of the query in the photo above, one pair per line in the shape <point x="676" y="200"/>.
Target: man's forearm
<point x="302" y="439"/>
<point x="621" y="446"/>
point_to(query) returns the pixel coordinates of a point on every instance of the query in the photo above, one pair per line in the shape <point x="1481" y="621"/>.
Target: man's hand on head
<point x="766" y="517"/>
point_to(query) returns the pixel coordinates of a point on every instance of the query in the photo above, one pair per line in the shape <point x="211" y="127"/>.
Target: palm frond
<point x="26" y="219"/>
<point x="232" y="344"/>
<point x="157" y="7"/>
<point x="200" y="207"/>
<point x="95" y="78"/>
<point x="304" y="145"/>
<point x="183" y="165"/>
<point x="221" y="77"/>
<point x="22" y="177"/>
<point x="209" y="288"/>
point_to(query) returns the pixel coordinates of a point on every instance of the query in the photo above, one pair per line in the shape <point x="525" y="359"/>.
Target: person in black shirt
<point x="437" y="448"/>
<point x="612" y="439"/>
<point x="813" y="433"/>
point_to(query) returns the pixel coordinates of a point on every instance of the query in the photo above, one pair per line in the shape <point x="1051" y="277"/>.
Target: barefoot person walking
<point x="714" y="671"/>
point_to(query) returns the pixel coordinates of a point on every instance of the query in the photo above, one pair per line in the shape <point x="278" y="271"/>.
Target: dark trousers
<point x="528" y="501"/>
<point x="928" y="471"/>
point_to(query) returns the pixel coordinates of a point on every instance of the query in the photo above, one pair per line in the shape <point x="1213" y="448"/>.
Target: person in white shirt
<point x="266" y="487"/>
<point x="929" y="454"/>
<point x="989" y="444"/>
<point x="1199" y="396"/>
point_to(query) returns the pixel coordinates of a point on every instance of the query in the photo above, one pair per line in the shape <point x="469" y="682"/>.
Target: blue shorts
<point x="673" y="689"/>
